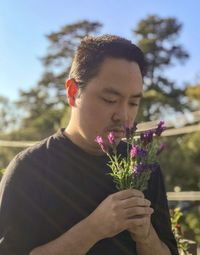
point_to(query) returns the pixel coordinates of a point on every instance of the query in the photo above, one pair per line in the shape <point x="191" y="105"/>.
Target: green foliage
<point x="188" y="220"/>
<point x="182" y="244"/>
<point x="9" y="115"/>
<point x="193" y="94"/>
<point x="180" y="162"/>
<point x="6" y="154"/>
<point x="157" y="38"/>
<point x="191" y="224"/>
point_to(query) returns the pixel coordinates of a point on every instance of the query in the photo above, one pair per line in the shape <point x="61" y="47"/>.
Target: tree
<point x="180" y="162"/>
<point x="45" y="103"/>
<point x="8" y="115"/>
<point x="157" y="38"/>
<point x="193" y="95"/>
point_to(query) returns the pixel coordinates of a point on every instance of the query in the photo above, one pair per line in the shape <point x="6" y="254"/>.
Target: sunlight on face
<point x="109" y="102"/>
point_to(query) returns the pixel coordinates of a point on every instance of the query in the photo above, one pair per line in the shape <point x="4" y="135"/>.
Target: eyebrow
<point x="115" y="92"/>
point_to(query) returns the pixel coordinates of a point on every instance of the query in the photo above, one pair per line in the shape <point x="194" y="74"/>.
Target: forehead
<point x="118" y="75"/>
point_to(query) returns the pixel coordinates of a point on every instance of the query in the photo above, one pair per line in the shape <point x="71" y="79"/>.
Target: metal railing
<point x="141" y="127"/>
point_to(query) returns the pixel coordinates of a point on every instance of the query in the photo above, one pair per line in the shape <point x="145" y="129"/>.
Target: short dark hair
<point x="93" y="50"/>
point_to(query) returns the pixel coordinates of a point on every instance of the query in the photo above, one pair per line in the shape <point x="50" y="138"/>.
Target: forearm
<point x="152" y="245"/>
<point x="76" y="241"/>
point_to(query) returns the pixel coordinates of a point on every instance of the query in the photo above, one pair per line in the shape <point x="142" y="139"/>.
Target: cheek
<point x="133" y="115"/>
<point x="94" y="118"/>
<point x="134" y="112"/>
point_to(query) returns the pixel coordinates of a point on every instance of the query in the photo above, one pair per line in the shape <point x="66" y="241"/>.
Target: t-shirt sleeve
<point x="161" y="217"/>
<point x="20" y="210"/>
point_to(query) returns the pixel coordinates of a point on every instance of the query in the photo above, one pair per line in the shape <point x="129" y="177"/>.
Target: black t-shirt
<point x="53" y="185"/>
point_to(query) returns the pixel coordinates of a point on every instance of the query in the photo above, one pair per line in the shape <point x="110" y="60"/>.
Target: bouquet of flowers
<point x="134" y="170"/>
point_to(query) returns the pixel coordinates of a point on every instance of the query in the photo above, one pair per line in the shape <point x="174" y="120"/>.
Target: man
<point x="57" y="198"/>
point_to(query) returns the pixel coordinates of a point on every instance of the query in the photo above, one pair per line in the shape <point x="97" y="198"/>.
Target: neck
<point x="85" y="145"/>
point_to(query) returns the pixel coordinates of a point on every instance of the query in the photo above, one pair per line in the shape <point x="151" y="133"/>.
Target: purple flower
<point x="142" y="167"/>
<point x="160" y="128"/>
<point x="139" y="168"/>
<point x="130" y="131"/>
<point x="111" y="138"/>
<point x="142" y="152"/>
<point x="147" y="136"/>
<point x="101" y="143"/>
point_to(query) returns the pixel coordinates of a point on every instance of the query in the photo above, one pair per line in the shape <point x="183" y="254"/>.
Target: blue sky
<point x="24" y="24"/>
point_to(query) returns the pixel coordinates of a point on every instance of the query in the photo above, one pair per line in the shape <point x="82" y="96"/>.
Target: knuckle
<point x="137" y="211"/>
<point x="114" y="207"/>
<point x="138" y="193"/>
<point x="112" y="198"/>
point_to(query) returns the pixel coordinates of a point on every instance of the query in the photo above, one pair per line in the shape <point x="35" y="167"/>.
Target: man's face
<point x="109" y="102"/>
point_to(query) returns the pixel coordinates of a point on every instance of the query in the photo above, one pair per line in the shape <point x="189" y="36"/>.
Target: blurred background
<point x="38" y="40"/>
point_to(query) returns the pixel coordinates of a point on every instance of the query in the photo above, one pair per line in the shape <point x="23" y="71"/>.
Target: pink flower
<point x="111" y="138"/>
<point x="133" y="151"/>
<point x="101" y="143"/>
<point x="99" y="140"/>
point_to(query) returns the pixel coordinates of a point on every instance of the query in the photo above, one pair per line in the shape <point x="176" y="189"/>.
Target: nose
<point x="122" y="114"/>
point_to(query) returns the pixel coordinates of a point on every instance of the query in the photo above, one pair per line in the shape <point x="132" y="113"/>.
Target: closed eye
<point x="114" y="101"/>
<point x="108" y="101"/>
<point x="133" y="104"/>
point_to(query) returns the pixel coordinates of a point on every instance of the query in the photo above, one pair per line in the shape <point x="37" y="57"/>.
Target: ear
<point x="71" y="90"/>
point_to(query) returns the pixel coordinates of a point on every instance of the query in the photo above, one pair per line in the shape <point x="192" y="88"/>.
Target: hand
<point x="120" y="211"/>
<point x="141" y="226"/>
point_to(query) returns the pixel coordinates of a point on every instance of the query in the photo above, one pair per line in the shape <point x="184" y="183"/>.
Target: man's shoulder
<point x="40" y="149"/>
<point x="33" y="158"/>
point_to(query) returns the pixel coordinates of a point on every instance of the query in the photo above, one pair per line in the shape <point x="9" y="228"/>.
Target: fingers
<point x="130" y="204"/>
<point x="125" y="194"/>
<point x="138" y="211"/>
<point x="134" y="202"/>
<point x="130" y="199"/>
<point x="133" y="223"/>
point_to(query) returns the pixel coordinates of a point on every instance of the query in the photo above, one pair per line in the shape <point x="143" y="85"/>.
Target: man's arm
<point x="114" y="215"/>
<point x="152" y="245"/>
<point x="77" y="241"/>
<point x="19" y="214"/>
